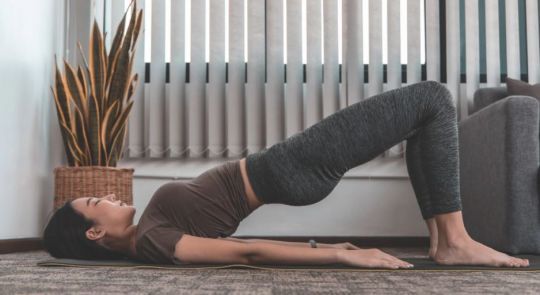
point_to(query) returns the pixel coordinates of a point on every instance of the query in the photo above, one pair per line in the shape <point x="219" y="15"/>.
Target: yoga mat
<point x="424" y="264"/>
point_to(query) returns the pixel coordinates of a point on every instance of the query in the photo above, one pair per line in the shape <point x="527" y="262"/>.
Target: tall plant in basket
<point x="92" y="106"/>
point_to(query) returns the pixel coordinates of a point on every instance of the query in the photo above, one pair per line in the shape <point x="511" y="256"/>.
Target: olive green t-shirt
<point x="210" y="205"/>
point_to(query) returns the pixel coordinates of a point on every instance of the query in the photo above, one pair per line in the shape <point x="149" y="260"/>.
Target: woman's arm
<point x="269" y="253"/>
<point x="192" y="249"/>
<point x="295" y="244"/>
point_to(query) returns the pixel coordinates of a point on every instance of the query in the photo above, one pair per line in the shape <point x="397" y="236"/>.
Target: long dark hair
<point x="64" y="237"/>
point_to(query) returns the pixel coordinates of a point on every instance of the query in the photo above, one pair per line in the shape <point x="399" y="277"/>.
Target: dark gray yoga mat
<point x="419" y="264"/>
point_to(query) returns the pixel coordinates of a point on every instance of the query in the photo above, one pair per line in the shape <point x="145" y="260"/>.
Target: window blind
<point x="275" y="68"/>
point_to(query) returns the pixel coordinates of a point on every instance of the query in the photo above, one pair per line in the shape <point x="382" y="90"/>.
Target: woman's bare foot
<point x="432" y="249"/>
<point x="433" y="237"/>
<point x="465" y="250"/>
<point x="455" y="245"/>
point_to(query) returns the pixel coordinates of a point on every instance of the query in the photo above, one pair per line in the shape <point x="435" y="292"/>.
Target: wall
<point x="29" y="150"/>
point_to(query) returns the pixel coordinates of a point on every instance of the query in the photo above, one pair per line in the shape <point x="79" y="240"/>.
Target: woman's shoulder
<point x="157" y="244"/>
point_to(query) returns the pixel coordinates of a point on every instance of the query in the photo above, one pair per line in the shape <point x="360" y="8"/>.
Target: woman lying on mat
<point x="188" y="222"/>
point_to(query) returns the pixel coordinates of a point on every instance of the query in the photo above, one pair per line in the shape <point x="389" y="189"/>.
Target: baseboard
<point x="34" y="244"/>
<point x="20" y="245"/>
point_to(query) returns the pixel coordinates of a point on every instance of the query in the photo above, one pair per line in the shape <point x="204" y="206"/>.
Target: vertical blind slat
<point x="453" y="47"/>
<point x="354" y="51"/>
<point x="275" y="130"/>
<point x="136" y="119"/>
<point x="472" y="62"/>
<point x="107" y="26"/>
<point x="533" y="44"/>
<point x="156" y="126"/>
<point x="512" y="39"/>
<point x="294" y="113"/>
<point x="343" y="96"/>
<point x="98" y="13"/>
<point x="177" y="81"/>
<point x="414" y="71"/>
<point x="375" y="73"/>
<point x="394" y="44"/>
<point x="393" y="68"/>
<point x="331" y="67"/>
<point x="313" y="98"/>
<point x="114" y="11"/>
<point x="433" y="47"/>
<point x="216" y="80"/>
<point x="255" y="76"/>
<point x="235" y="87"/>
<point x="493" y="61"/>
<point x="197" y="81"/>
<point x="117" y="12"/>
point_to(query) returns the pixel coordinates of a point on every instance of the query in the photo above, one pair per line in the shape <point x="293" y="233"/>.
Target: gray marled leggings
<point x="304" y="168"/>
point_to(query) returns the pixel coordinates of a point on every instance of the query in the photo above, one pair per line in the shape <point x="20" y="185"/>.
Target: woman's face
<point x="111" y="217"/>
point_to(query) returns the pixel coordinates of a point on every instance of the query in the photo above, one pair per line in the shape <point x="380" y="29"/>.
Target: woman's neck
<point x="127" y="243"/>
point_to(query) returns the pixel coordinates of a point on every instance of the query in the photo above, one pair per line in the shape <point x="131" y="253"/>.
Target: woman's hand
<point x="371" y="258"/>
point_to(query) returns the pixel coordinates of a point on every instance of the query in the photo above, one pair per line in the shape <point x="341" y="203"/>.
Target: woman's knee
<point x="438" y="96"/>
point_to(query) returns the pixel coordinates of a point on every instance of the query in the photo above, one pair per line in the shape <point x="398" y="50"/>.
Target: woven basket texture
<point x="92" y="181"/>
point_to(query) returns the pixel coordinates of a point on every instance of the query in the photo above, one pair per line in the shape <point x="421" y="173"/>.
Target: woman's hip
<point x="283" y="178"/>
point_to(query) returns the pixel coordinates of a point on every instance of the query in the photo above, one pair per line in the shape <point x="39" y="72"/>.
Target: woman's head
<point x="85" y="228"/>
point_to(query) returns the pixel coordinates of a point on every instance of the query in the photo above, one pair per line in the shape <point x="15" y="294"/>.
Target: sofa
<point x="499" y="180"/>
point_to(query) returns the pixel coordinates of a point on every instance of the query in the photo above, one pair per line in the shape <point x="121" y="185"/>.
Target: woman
<point x="188" y="222"/>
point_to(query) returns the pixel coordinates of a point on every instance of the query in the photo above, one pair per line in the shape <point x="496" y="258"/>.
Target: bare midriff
<point x="253" y="200"/>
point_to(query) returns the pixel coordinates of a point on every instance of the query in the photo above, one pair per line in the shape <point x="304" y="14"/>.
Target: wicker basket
<point x="88" y="181"/>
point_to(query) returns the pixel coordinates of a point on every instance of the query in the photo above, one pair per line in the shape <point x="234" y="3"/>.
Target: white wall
<point x="29" y="139"/>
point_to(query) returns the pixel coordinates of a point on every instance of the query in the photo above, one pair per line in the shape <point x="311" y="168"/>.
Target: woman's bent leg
<point x="304" y="168"/>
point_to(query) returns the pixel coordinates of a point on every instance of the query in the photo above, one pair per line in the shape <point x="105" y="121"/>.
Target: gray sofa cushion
<point x="517" y="87"/>
<point x="484" y="97"/>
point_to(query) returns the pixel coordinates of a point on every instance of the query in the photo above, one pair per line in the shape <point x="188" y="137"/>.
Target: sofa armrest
<point x="486" y="96"/>
<point x="499" y="158"/>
